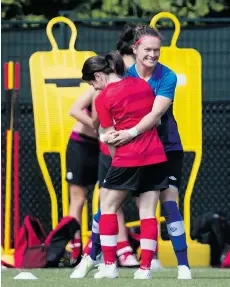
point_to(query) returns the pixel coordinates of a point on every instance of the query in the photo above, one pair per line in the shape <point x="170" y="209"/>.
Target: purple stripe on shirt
<point x="83" y="138"/>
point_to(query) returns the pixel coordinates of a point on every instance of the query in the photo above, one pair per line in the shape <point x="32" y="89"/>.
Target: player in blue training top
<point x="147" y="43"/>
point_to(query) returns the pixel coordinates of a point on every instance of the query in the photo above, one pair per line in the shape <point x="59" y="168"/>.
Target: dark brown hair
<point x="125" y="41"/>
<point x="142" y="31"/>
<point x="110" y="63"/>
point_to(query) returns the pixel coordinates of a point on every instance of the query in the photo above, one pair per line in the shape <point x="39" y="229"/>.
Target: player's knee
<point x="77" y="193"/>
<point x="147" y="210"/>
<point x="109" y="205"/>
<point x="170" y="194"/>
<point x="147" y="213"/>
<point x="148" y="204"/>
<point x="77" y="200"/>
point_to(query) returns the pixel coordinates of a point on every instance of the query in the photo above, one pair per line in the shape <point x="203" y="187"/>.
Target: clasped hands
<point x="117" y="138"/>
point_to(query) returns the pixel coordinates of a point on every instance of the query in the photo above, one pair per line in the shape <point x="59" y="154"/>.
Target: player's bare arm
<point x="77" y="110"/>
<point x="95" y="119"/>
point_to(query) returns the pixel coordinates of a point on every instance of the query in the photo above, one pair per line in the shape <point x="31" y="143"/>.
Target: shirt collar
<point x="157" y="74"/>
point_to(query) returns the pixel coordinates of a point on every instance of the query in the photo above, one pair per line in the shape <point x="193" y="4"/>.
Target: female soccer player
<point x="163" y="81"/>
<point x="81" y="160"/>
<point x="136" y="167"/>
<point x="124" y="250"/>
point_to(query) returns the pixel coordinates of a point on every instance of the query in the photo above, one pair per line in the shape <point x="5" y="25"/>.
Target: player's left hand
<point x="120" y="138"/>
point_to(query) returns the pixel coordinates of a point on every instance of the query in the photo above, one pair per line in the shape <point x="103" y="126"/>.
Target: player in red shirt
<point x="125" y="256"/>
<point x="137" y="166"/>
<point x="92" y="251"/>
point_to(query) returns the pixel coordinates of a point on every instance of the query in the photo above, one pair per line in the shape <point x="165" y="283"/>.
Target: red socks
<point x="76" y="248"/>
<point x="108" y="227"/>
<point x="124" y="248"/>
<point x="149" y="232"/>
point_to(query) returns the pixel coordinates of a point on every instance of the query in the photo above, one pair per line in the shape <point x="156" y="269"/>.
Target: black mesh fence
<point x="211" y="40"/>
<point x="211" y="192"/>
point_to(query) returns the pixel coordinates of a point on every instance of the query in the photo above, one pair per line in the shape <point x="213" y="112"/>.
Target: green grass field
<point x="60" y="277"/>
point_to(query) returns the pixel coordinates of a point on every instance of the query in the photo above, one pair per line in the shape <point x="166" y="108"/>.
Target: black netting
<point x="211" y="191"/>
<point x="187" y="166"/>
<point x="212" y="42"/>
<point x="53" y="163"/>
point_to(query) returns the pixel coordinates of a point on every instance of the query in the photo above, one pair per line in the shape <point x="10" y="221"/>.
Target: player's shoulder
<point x="134" y="80"/>
<point x="136" y="83"/>
<point x="111" y="90"/>
<point x="168" y="74"/>
<point x="100" y="97"/>
<point x="131" y="71"/>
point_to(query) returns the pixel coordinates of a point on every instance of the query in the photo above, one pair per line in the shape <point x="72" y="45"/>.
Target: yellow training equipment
<point x="56" y="83"/>
<point x="186" y="63"/>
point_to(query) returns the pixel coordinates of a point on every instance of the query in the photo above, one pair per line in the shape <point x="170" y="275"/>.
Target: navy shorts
<point x="173" y="167"/>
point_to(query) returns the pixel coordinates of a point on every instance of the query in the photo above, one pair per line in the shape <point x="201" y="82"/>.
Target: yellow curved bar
<point x="10" y="75"/>
<point x="133" y="223"/>
<point x="176" y="22"/>
<point x="84" y="224"/>
<point x="65" y="191"/>
<point x="188" y="194"/>
<point x="50" y="188"/>
<point x="11" y="252"/>
<point x="50" y="34"/>
<point x="95" y="200"/>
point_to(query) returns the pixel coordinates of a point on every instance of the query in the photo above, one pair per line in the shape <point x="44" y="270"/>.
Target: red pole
<point x="16" y="185"/>
<point x="17" y="76"/>
<point x="16" y="151"/>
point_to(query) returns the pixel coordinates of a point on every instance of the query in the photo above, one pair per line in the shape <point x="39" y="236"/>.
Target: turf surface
<point x="60" y="278"/>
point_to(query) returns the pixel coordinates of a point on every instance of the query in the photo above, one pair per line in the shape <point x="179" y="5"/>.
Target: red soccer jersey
<point x="122" y="105"/>
<point x="104" y="148"/>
